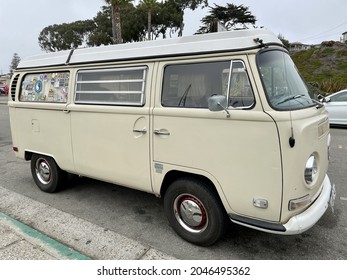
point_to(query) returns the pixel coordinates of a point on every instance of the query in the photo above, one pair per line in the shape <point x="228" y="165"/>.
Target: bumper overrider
<point x="299" y="223"/>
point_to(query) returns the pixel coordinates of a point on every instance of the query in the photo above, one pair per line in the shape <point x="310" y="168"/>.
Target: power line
<point x="324" y="33"/>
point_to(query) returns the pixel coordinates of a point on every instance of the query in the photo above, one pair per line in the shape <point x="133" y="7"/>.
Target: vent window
<point x="13" y="87"/>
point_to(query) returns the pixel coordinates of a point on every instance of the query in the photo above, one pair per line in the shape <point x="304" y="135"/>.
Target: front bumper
<point x="298" y="223"/>
<point x="311" y="215"/>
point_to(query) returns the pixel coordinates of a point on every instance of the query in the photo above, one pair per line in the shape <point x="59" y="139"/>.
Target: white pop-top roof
<point x="207" y="43"/>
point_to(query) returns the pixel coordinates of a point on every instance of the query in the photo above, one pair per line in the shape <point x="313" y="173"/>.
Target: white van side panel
<point x="44" y="129"/>
<point x="107" y="145"/>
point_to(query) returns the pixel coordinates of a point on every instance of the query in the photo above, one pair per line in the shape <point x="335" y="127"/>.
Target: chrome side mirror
<point x="218" y="103"/>
<point x="322" y="98"/>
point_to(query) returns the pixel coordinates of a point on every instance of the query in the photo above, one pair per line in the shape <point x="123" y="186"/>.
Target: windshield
<point x="284" y="87"/>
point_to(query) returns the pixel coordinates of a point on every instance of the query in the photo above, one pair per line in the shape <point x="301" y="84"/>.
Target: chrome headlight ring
<point x="328" y="143"/>
<point x="311" y="169"/>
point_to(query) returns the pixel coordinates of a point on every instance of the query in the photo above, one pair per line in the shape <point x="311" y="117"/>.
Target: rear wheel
<point x="195" y="211"/>
<point x="46" y="173"/>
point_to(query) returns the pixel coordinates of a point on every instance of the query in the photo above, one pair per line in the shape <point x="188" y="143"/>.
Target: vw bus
<point x="221" y="126"/>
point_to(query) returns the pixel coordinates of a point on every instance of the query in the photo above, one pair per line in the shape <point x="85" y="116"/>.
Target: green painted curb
<point x="62" y="249"/>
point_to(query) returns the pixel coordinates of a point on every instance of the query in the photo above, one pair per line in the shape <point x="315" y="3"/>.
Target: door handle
<point x="143" y="130"/>
<point x="161" y="132"/>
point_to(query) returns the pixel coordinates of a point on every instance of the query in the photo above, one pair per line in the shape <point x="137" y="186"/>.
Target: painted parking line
<point x="64" y="251"/>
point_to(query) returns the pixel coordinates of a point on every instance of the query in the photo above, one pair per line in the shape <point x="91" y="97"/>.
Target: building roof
<point x="197" y="44"/>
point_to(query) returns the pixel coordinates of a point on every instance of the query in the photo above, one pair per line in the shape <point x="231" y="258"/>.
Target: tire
<point x="46" y="173"/>
<point x="195" y="211"/>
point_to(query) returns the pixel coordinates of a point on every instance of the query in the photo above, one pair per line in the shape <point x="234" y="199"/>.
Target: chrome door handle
<point x="143" y="130"/>
<point x="161" y="132"/>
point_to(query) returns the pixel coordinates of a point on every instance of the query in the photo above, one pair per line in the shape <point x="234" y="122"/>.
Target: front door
<point x="240" y="152"/>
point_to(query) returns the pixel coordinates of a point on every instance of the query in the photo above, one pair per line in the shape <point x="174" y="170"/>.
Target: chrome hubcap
<point x="43" y="171"/>
<point x="190" y="213"/>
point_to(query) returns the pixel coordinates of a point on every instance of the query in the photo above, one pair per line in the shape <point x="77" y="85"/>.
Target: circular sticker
<point x="38" y="86"/>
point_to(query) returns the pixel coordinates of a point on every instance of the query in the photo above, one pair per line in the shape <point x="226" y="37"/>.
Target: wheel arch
<point x="174" y="175"/>
<point x="28" y="155"/>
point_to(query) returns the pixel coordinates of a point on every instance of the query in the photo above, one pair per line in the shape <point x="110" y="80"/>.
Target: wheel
<point x="46" y="173"/>
<point x="195" y="211"/>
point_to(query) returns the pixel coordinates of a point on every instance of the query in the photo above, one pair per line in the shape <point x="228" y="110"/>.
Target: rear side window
<point x="190" y="85"/>
<point x="121" y="86"/>
<point x="45" y="87"/>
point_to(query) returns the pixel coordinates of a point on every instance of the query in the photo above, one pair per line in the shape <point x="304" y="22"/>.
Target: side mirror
<point x="323" y="99"/>
<point x="218" y="103"/>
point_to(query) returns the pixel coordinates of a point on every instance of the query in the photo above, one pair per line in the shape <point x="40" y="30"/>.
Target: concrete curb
<point x="20" y="241"/>
<point x="77" y="234"/>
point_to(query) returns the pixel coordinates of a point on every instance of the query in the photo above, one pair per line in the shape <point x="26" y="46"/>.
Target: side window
<point x="240" y="93"/>
<point x="121" y="86"/>
<point x="190" y="85"/>
<point x="45" y="87"/>
<point x="342" y="97"/>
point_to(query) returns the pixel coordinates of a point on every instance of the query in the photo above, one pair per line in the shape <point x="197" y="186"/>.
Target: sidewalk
<point x="21" y="242"/>
<point x="57" y="235"/>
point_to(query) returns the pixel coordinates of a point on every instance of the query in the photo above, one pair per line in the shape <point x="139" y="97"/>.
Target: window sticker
<point x="45" y="87"/>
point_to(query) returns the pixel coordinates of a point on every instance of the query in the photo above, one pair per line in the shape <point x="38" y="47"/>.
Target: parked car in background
<point x="3" y="89"/>
<point x="336" y="105"/>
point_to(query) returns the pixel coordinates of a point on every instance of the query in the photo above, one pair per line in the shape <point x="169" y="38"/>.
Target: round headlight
<point x="311" y="169"/>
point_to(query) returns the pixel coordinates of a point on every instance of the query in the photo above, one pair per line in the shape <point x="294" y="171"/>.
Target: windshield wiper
<point x="290" y="98"/>
<point x="319" y="104"/>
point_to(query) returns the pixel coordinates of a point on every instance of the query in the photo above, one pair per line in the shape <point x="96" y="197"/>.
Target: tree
<point x="116" y="6"/>
<point x="95" y="32"/>
<point x="231" y="16"/>
<point x="149" y="5"/>
<point x="169" y="18"/>
<point x="14" y="63"/>
<point x="133" y="26"/>
<point x="133" y="23"/>
<point x="165" y="18"/>
<point x="102" y="33"/>
<point x="285" y="42"/>
<point x="65" y="36"/>
<point x="184" y="4"/>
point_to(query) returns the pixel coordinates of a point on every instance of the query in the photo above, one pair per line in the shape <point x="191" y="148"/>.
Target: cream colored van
<point x="220" y="125"/>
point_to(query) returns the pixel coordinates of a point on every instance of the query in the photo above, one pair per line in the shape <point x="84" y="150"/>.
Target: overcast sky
<point x="307" y="21"/>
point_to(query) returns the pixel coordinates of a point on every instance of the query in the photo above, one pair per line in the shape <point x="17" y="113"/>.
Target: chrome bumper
<point x="311" y="215"/>
<point x="298" y="223"/>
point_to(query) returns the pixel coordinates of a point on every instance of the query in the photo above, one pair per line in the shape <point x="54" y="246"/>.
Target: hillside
<point x="324" y="67"/>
